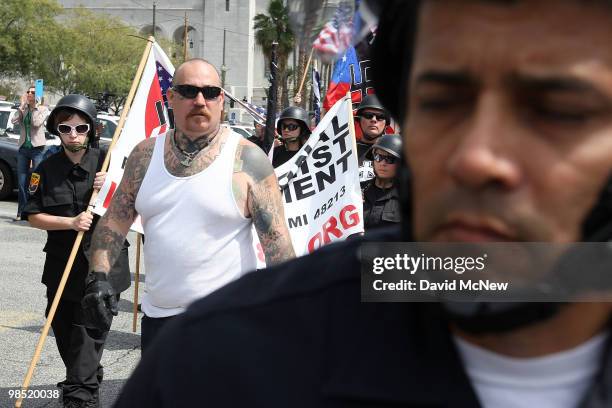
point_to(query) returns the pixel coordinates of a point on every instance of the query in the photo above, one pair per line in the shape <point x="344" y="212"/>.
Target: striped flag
<point x="335" y="37"/>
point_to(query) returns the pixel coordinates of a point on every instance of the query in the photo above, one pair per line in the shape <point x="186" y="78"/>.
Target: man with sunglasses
<point x="30" y="118"/>
<point x="199" y="189"/>
<point x="372" y="120"/>
<point x="381" y="205"/>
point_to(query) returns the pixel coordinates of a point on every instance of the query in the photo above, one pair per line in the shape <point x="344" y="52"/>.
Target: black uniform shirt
<point x="64" y="189"/>
<point x="381" y="207"/>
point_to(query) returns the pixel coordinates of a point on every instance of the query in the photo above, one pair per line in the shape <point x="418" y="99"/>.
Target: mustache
<point x="196" y="112"/>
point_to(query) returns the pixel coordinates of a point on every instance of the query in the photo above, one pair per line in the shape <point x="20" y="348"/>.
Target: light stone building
<point x="207" y="22"/>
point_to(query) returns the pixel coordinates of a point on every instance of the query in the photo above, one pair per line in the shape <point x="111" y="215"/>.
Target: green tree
<point x="24" y="30"/>
<point x="271" y="27"/>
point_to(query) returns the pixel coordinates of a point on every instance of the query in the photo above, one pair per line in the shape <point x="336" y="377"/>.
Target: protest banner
<point x="320" y="184"/>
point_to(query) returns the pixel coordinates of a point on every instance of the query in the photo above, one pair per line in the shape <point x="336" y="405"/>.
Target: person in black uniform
<point x="60" y="192"/>
<point x="381" y="206"/>
<point x="506" y="108"/>
<point x="293" y="127"/>
<point x="372" y="119"/>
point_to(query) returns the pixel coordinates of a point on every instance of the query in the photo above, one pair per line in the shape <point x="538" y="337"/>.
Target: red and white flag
<point x="149" y="116"/>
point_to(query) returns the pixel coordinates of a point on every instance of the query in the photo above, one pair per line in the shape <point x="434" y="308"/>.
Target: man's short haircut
<point x="201" y="60"/>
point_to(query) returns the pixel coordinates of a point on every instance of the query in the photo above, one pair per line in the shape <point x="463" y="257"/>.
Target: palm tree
<point x="271" y="27"/>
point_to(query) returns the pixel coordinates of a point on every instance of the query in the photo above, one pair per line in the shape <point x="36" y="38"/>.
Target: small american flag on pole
<point x="336" y="35"/>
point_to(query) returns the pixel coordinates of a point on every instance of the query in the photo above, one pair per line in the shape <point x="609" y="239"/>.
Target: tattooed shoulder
<point x="138" y="161"/>
<point x="252" y="161"/>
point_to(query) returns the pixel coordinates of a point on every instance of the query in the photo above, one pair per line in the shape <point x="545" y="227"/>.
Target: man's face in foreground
<point x="509" y="132"/>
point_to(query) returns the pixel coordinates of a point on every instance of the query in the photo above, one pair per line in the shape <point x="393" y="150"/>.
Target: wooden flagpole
<point x="136" y="280"/>
<point x="297" y="97"/>
<point x="79" y="238"/>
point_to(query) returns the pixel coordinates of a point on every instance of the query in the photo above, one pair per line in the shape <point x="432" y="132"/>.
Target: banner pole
<point x="136" y="280"/>
<point x="352" y="122"/>
<point x="79" y="238"/>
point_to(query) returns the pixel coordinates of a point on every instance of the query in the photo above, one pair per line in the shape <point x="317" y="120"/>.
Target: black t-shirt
<point x="281" y="155"/>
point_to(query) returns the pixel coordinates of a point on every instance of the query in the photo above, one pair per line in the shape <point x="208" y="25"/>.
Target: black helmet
<point x="371" y="102"/>
<point x="295" y="113"/>
<point x="77" y="103"/>
<point x="391" y="144"/>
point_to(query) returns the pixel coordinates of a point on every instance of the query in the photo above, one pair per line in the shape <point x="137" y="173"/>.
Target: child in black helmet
<point x="60" y="192"/>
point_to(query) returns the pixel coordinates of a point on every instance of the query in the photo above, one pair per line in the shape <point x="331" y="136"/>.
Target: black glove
<point x="99" y="303"/>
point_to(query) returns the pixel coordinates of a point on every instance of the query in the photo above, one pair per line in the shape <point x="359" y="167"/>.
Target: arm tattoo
<point x="265" y="204"/>
<point x="106" y="246"/>
<point x="253" y="161"/>
<point x="108" y="237"/>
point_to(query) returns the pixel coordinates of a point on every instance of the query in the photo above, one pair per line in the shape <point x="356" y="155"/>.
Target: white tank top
<point x="196" y="239"/>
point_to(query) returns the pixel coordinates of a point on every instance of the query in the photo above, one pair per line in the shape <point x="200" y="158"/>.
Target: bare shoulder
<point x="252" y="161"/>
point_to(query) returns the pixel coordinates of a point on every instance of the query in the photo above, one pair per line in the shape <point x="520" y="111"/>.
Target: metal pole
<point x="223" y="66"/>
<point x="185" y="40"/>
<point x="154" y="5"/>
<point x="271" y="116"/>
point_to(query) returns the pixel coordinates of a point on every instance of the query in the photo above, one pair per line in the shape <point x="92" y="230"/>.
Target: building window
<point x="227" y="5"/>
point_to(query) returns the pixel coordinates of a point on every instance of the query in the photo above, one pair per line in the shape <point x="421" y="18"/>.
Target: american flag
<point x="336" y="35"/>
<point x="165" y="82"/>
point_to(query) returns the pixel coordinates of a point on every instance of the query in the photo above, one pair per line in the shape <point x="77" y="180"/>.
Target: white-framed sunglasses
<point x="67" y="129"/>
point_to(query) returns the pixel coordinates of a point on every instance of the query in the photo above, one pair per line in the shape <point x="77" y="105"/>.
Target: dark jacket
<point x="381" y="207"/>
<point x="64" y="189"/>
<point x="297" y="335"/>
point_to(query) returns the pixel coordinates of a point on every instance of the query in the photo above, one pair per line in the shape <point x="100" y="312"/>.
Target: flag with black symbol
<point x="149" y="116"/>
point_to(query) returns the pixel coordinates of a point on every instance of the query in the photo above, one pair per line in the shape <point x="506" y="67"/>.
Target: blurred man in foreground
<point x="506" y="111"/>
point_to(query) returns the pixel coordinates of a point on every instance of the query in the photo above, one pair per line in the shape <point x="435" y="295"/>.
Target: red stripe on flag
<point x="335" y="92"/>
<point x="109" y="196"/>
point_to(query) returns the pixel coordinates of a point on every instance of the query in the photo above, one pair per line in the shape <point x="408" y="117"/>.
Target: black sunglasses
<point x="31" y="92"/>
<point x="387" y="159"/>
<point x="375" y="116"/>
<point x="289" y="126"/>
<point x="67" y="129"/>
<point x="191" y="91"/>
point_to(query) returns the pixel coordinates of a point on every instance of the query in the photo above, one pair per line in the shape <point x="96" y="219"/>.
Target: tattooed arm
<point x="108" y="237"/>
<point x="263" y="202"/>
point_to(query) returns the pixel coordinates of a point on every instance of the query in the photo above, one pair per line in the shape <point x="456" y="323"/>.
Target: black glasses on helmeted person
<point x="289" y="126"/>
<point x="387" y="159"/>
<point x="67" y="129"/>
<point x="376" y="116"/>
<point x="191" y="91"/>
